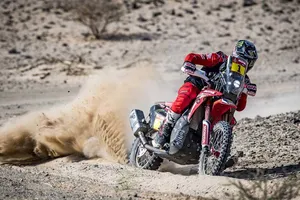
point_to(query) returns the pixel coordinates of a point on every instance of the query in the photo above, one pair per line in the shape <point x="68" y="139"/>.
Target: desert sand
<point x="66" y="95"/>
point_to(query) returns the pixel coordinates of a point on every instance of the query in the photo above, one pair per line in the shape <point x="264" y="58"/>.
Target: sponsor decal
<point x="251" y="53"/>
<point x="189" y="65"/>
<point x="251" y="87"/>
<point x="242" y="62"/>
<point x="209" y="92"/>
<point x="225" y="101"/>
<point x="157" y="124"/>
<point x="204" y="138"/>
<point x="239" y="61"/>
<point x="183" y="91"/>
<point x="240" y="44"/>
<point x="188" y="71"/>
<point x="189" y="68"/>
<point x="205" y="132"/>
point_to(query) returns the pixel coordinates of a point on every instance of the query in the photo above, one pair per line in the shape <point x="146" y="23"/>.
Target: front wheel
<point x="213" y="158"/>
<point x="140" y="157"/>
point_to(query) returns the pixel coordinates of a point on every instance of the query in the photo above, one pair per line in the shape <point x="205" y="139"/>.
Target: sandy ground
<point x="46" y="57"/>
<point x="76" y="177"/>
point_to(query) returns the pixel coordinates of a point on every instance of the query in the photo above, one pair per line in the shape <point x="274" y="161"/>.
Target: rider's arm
<point x="250" y="89"/>
<point x="190" y="69"/>
<point x="207" y="60"/>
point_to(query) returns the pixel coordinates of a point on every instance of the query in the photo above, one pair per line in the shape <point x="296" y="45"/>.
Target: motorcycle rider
<point x="193" y="85"/>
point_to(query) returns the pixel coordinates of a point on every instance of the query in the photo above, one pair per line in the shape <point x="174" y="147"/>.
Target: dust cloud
<point x="94" y="124"/>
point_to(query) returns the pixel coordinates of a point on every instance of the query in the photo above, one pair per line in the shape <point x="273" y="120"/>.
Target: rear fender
<point x="220" y="107"/>
<point x="201" y="98"/>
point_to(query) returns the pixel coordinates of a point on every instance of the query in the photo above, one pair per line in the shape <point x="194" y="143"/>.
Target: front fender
<point x="220" y="107"/>
<point x="201" y="98"/>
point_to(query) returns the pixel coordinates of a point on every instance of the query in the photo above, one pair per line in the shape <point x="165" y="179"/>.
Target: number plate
<point x="159" y="120"/>
<point x="235" y="67"/>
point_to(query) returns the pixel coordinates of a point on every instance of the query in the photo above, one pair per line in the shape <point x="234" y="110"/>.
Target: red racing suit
<point x="193" y="85"/>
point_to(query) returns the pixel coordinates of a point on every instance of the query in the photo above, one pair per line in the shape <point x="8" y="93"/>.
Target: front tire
<point x="213" y="158"/>
<point x="140" y="157"/>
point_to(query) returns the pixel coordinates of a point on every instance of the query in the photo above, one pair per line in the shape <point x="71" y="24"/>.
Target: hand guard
<point x="188" y="68"/>
<point x="251" y="89"/>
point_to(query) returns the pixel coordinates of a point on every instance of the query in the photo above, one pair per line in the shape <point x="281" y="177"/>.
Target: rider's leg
<point x="166" y="129"/>
<point x="186" y="94"/>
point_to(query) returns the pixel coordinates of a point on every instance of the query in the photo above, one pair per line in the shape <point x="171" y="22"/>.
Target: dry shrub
<point x="263" y="189"/>
<point x="95" y="14"/>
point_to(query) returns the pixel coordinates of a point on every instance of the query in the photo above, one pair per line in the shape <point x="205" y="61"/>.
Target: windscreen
<point x="233" y="75"/>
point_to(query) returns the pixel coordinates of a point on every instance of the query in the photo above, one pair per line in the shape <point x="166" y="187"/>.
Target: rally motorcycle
<point x="203" y="134"/>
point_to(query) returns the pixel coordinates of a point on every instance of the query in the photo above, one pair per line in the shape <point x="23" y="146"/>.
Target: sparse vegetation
<point x="263" y="189"/>
<point x="95" y="14"/>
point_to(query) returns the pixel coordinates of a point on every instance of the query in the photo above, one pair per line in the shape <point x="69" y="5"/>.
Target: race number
<point x="235" y="67"/>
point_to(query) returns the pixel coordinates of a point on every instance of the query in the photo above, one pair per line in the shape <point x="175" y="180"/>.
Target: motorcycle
<point x="203" y="133"/>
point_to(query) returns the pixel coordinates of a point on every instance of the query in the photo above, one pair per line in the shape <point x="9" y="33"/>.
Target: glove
<point x="188" y="68"/>
<point x="251" y="89"/>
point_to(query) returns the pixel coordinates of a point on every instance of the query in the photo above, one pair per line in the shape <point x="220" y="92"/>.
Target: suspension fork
<point x="228" y="116"/>
<point x="206" y="126"/>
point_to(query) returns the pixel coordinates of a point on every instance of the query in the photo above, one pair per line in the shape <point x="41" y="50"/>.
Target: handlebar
<point x="197" y="72"/>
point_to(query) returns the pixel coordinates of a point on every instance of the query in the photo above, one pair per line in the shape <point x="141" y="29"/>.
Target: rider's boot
<point x="165" y="131"/>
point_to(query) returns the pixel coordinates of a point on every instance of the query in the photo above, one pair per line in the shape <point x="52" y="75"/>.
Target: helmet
<point x="246" y="49"/>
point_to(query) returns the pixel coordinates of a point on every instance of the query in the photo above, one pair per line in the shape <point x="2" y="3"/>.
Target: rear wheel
<point x="140" y="157"/>
<point x="213" y="158"/>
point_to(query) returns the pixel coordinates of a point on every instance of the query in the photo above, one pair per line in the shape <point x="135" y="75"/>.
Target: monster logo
<point x="251" y="53"/>
<point x="240" y="44"/>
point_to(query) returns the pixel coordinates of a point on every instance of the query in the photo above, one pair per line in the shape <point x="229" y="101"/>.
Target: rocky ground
<point x="46" y="55"/>
<point x="270" y="146"/>
<point x="44" y="45"/>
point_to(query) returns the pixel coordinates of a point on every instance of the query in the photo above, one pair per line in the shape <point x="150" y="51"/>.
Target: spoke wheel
<point x="140" y="157"/>
<point x="213" y="158"/>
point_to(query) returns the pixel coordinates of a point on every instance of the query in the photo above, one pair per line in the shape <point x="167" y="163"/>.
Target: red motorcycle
<point x="203" y="134"/>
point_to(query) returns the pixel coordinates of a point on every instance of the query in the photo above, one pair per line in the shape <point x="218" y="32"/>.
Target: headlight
<point x="236" y="83"/>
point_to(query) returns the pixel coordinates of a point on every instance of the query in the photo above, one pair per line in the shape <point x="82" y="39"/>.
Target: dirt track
<point x="75" y="177"/>
<point x="46" y="57"/>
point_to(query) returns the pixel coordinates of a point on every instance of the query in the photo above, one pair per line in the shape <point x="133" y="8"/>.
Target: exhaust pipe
<point x="159" y="152"/>
<point x="137" y="119"/>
